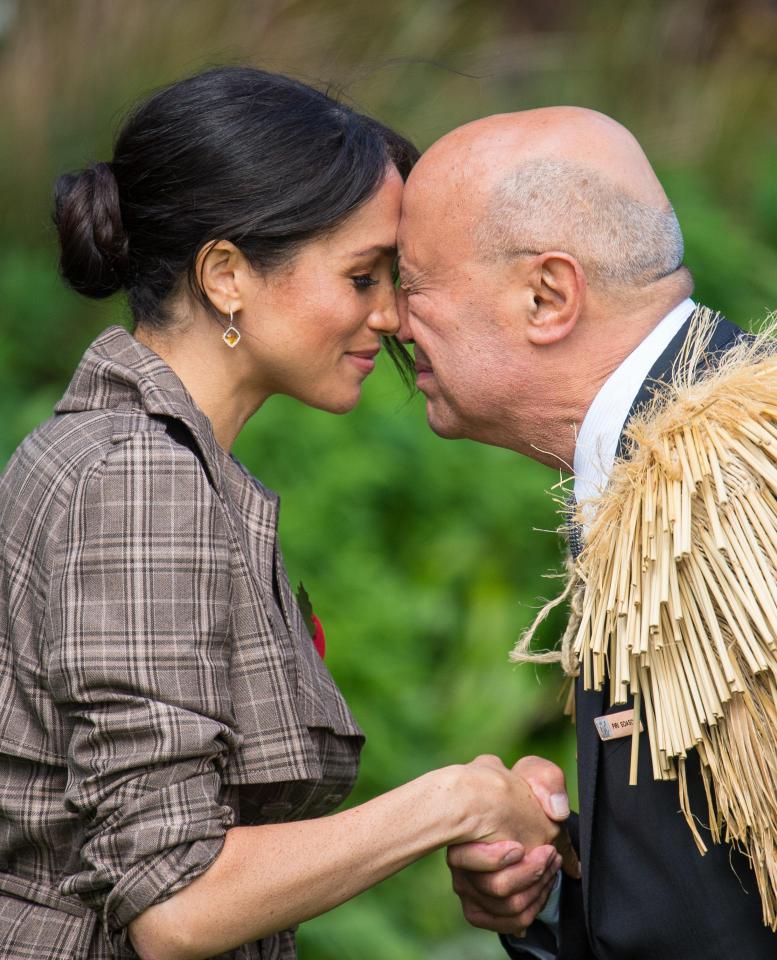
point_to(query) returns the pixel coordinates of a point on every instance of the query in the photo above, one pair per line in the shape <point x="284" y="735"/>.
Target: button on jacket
<point x="158" y="683"/>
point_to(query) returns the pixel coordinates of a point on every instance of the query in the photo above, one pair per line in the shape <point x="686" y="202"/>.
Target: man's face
<point x="464" y="314"/>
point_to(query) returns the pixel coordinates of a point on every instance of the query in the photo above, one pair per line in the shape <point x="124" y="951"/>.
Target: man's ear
<point x="559" y="284"/>
<point x="219" y="269"/>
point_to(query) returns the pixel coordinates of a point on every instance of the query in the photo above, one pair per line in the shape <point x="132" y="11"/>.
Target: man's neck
<point x="599" y="436"/>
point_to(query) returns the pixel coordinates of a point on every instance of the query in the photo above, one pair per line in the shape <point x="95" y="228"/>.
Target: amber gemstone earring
<point x="231" y="335"/>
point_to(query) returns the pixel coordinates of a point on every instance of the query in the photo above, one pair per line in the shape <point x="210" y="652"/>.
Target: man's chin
<point x="442" y="422"/>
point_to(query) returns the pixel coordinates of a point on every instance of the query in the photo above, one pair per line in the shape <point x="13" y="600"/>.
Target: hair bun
<point x="93" y="243"/>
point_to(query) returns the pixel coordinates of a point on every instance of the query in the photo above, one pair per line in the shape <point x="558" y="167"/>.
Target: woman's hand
<point x="501" y="804"/>
<point x="504" y="885"/>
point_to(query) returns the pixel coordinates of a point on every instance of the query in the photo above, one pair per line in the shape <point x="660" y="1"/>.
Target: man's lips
<point x="422" y="363"/>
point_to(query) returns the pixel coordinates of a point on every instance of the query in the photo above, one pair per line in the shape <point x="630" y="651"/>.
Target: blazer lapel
<point x="589" y="705"/>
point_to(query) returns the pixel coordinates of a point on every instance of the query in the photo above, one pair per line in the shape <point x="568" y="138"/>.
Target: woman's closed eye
<point x="363" y="281"/>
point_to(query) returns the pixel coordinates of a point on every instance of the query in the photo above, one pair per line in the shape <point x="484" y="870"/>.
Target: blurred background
<point x="424" y="558"/>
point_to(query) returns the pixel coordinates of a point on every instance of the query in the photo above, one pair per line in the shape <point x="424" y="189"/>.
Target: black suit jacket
<point x="646" y="892"/>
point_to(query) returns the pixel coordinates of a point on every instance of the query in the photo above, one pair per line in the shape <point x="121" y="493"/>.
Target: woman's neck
<point x="212" y="373"/>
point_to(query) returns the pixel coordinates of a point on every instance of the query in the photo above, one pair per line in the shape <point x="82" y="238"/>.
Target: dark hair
<point x="235" y="153"/>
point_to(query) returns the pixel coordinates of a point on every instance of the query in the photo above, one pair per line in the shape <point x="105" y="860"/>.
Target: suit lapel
<point x="724" y="336"/>
<point x="591" y="703"/>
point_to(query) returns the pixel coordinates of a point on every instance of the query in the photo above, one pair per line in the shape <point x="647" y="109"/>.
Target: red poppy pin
<point x="311" y="620"/>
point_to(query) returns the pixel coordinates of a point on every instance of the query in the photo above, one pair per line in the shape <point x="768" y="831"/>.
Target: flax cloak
<point x="674" y="595"/>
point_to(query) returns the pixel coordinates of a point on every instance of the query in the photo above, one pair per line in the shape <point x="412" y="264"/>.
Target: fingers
<point x="508" y="901"/>
<point x="485" y="857"/>
<point x="510" y="890"/>
<point x="489" y="760"/>
<point x="521" y="881"/>
<point x="570" y="862"/>
<point x="547" y="781"/>
<point x="515" y="924"/>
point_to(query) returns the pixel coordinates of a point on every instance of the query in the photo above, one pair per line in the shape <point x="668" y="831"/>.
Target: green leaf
<point x="306" y="609"/>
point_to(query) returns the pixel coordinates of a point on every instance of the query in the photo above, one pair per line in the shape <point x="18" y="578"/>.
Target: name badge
<point x="616" y="725"/>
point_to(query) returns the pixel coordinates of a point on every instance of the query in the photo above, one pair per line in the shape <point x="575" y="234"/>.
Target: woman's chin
<point x="343" y="402"/>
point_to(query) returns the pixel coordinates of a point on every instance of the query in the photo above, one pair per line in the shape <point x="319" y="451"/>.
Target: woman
<point x="171" y="739"/>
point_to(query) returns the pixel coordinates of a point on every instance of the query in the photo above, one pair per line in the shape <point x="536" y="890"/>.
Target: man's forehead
<point x="425" y="247"/>
<point x="454" y="186"/>
<point x="438" y="219"/>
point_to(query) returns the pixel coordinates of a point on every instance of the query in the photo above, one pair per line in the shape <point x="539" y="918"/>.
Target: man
<point x="543" y="287"/>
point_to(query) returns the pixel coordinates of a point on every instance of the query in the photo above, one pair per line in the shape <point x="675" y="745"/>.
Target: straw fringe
<point x="675" y="592"/>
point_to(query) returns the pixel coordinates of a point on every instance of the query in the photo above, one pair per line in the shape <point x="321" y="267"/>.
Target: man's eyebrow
<point x="408" y="273"/>
<point x="386" y="251"/>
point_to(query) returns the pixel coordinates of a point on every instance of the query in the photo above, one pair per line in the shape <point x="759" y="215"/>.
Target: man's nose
<point x="404" y="334"/>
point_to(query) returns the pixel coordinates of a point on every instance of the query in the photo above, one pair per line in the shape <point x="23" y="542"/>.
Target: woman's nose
<point x="385" y="318"/>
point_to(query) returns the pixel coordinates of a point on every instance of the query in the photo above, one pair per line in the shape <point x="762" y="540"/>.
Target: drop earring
<point x="231" y="335"/>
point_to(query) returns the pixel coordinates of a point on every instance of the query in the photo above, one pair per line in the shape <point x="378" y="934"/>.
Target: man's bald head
<point x="489" y="148"/>
<point x="557" y="178"/>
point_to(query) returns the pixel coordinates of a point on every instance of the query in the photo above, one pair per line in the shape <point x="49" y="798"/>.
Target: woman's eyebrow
<point x="387" y="251"/>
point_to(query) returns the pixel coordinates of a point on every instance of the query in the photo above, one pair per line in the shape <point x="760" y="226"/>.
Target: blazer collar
<point x="119" y="371"/>
<point x="725" y="335"/>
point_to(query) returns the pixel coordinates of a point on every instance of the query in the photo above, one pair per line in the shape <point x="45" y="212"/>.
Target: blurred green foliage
<point x="424" y="558"/>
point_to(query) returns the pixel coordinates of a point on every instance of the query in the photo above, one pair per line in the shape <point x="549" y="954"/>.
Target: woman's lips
<point x="364" y="360"/>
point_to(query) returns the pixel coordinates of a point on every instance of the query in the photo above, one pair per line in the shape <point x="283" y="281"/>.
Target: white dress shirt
<point x="597" y="442"/>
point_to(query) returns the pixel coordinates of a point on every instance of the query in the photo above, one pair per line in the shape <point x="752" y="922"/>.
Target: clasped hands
<point x="503" y="884"/>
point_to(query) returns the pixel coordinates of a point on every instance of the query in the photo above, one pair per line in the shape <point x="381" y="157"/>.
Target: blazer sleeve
<point x="540" y="943"/>
<point x="138" y="655"/>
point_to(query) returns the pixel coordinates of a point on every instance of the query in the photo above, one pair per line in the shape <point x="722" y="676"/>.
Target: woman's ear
<point x="559" y="286"/>
<point x="219" y="269"/>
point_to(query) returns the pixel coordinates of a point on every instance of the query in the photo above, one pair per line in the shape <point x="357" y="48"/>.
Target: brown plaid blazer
<point x="157" y="683"/>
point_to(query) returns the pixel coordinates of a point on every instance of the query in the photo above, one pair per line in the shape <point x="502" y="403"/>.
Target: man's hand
<point x="501" y="885"/>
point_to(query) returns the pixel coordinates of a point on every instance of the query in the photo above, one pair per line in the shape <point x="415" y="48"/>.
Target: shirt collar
<point x="117" y="370"/>
<point x="602" y="426"/>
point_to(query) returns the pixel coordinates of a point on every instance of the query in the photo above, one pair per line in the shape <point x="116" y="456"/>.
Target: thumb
<point x="547" y="782"/>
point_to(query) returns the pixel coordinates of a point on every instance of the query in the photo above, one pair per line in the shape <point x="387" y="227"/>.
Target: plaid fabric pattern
<point x="157" y="682"/>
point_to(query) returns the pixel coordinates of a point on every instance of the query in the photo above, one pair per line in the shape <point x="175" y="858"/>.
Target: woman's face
<point x="314" y="326"/>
